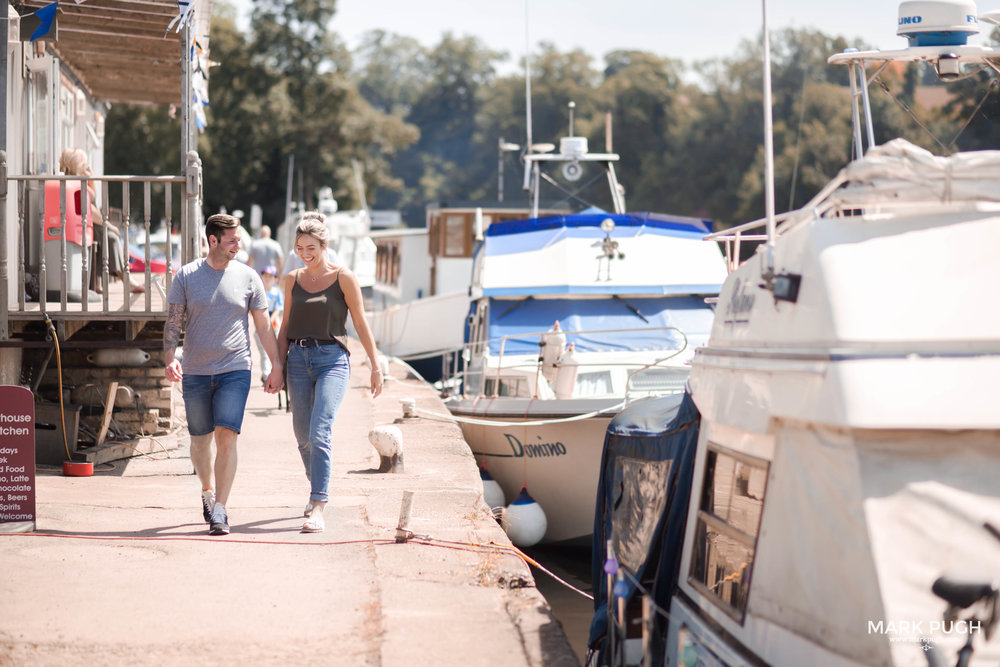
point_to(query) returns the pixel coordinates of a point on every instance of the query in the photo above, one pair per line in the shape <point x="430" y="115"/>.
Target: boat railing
<point x="474" y="378"/>
<point x="54" y="267"/>
<point x="733" y="236"/>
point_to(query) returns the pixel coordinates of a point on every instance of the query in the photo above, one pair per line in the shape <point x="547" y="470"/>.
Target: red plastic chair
<point x="74" y="219"/>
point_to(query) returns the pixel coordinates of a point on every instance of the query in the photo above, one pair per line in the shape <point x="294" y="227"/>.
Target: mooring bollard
<point x="388" y="442"/>
<point x="403" y="533"/>
<point x="409" y="407"/>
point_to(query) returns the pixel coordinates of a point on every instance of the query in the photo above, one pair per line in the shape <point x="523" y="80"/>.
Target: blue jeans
<point x="317" y="382"/>
<point x="215" y="400"/>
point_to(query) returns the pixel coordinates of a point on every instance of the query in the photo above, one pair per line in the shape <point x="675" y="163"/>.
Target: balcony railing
<point x="55" y="265"/>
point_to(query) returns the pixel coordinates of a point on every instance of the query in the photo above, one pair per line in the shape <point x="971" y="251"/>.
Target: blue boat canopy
<point x="532" y="316"/>
<point x="593" y="218"/>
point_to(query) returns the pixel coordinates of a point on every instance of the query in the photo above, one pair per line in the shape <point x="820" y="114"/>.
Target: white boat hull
<point x="422" y="328"/>
<point x="867" y="402"/>
<point x="559" y="463"/>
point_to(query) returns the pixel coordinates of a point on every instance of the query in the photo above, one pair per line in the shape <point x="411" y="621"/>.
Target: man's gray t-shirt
<point x="217" y="334"/>
<point x="264" y="253"/>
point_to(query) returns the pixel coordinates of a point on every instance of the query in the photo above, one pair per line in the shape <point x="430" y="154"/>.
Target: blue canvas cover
<point x="642" y="502"/>
<point x="531" y="316"/>
<point x="676" y="225"/>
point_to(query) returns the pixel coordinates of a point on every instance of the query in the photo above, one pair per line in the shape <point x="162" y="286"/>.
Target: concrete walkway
<point x="122" y="570"/>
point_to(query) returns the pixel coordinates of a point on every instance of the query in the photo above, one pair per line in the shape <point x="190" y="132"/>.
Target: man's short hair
<point x="217" y="224"/>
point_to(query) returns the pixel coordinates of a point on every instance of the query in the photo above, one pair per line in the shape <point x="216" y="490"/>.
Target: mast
<point x="768" y="152"/>
<point x="527" y="100"/>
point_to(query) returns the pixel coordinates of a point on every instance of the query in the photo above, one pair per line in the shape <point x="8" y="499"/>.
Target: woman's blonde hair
<point x="73" y="162"/>
<point x="313" y="223"/>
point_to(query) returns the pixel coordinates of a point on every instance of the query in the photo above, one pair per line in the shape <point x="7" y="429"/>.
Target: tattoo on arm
<point x="172" y="329"/>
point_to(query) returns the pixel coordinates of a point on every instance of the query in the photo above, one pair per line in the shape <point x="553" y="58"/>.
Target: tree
<point x="390" y="71"/>
<point x="448" y="161"/>
<point x="283" y="90"/>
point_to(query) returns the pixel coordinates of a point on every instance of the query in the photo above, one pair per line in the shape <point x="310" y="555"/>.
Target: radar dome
<point x="937" y="22"/>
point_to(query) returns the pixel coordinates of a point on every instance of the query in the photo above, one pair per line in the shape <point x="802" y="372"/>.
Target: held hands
<point x="376" y="382"/>
<point x="275" y="381"/>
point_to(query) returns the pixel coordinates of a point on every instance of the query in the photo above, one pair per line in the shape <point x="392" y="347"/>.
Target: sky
<point x="687" y="30"/>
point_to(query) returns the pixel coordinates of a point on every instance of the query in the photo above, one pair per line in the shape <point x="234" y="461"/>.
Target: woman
<point x="313" y="340"/>
<point x="73" y="162"/>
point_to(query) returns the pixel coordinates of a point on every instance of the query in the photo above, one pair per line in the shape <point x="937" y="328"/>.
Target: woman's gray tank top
<point x="322" y="315"/>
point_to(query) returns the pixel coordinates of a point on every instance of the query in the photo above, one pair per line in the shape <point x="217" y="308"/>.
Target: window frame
<point x="700" y="547"/>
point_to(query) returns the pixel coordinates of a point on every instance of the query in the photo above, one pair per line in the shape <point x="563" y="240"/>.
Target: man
<point x="216" y="293"/>
<point x="265" y="251"/>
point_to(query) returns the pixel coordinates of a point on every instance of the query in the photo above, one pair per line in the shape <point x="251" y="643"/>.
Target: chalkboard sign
<point x="17" y="460"/>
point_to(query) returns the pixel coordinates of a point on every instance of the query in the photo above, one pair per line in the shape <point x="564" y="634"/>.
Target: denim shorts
<point x="215" y="400"/>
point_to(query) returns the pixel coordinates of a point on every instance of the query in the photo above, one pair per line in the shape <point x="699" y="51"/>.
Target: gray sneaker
<point x="207" y="503"/>
<point x="219" y="523"/>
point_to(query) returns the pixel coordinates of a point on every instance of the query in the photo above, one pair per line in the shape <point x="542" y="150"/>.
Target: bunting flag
<point x="199" y="84"/>
<point x="45" y="16"/>
<point x="200" y="119"/>
<point x="184" y="14"/>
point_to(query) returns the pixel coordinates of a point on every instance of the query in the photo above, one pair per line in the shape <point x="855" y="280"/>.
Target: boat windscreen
<point x="629" y="323"/>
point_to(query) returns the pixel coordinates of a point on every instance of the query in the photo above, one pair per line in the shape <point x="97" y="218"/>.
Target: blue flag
<point x="45" y="16"/>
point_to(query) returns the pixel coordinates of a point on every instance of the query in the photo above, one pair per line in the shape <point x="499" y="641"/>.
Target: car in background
<point x="157" y="253"/>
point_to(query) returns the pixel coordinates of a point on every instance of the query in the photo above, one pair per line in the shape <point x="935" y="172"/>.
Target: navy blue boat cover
<point x="642" y="502"/>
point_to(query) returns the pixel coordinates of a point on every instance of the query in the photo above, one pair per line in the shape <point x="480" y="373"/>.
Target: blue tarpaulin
<point x="529" y="316"/>
<point x="586" y="219"/>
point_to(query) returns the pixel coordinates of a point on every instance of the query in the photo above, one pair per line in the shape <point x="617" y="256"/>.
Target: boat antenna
<point x="359" y="183"/>
<point x="527" y="81"/>
<point x="288" y="187"/>
<point x="529" y="166"/>
<point x="768" y="153"/>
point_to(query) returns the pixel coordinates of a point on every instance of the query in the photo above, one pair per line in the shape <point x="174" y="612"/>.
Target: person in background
<point x="275" y="310"/>
<point x="73" y="162"/>
<point x="215" y="294"/>
<point x="294" y="262"/>
<point x="265" y="252"/>
<point x="313" y="342"/>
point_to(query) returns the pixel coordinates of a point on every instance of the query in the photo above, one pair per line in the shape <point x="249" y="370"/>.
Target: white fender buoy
<point x="566" y="372"/>
<point x="118" y="356"/>
<point x="492" y="493"/>
<point x="526" y="522"/>
<point x="388" y="442"/>
<point x="553" y="342"/>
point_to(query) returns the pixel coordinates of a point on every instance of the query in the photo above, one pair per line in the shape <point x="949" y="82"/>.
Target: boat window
<point x="454" y="236"/>
<point x="508" y="387"/>
<point x="593" y="384"/>
<point x="387" y="261"/>
<point x="729" y="511"/>
<point x="660" y="380"/>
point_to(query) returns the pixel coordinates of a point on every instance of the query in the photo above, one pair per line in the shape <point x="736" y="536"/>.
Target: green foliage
<point x="282" y="90"/>
<point x="426" y="123"/>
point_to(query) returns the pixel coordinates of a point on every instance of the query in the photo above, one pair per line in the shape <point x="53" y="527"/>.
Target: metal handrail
<point x="35" y="264"/>
<point x="541" y="335"/>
